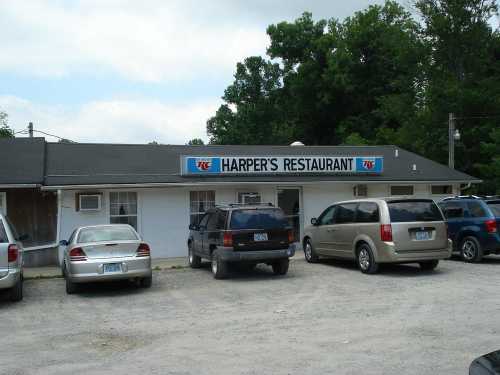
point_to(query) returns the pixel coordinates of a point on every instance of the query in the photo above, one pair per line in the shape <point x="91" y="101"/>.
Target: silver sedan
<point x="105" y="252"/>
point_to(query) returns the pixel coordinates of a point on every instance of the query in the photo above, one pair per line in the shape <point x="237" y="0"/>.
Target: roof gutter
<point x="226" y="183"/>
<point x="14" y="186"/>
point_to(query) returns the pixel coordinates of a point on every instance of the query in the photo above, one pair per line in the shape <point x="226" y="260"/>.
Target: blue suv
<point x="473" y="225"/>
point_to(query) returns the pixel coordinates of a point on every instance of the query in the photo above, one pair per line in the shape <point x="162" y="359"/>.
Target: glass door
<point x="289" y="202"/>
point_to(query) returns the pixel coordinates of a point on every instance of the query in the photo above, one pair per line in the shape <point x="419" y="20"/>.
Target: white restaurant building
<point x="160" y="189"/>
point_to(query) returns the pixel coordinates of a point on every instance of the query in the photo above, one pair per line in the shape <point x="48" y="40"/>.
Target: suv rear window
<point x="258" y="219"/>
<point x="495" y="208"/>
<point x="413" y="210"/>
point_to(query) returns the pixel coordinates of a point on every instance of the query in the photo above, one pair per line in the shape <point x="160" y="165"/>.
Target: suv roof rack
<point x="268" y="204"/>
<point x="464" y="197"/>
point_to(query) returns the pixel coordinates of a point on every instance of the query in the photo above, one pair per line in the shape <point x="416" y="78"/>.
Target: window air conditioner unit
<point x="89" y="202"/>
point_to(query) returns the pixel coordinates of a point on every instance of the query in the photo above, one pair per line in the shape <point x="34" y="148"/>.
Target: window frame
<point x="99" y="202"/>
<point x="208" y="205"/>
<point x="137" y="216"/>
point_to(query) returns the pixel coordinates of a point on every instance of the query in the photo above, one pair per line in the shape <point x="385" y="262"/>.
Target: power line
<point x="25" y="131"/>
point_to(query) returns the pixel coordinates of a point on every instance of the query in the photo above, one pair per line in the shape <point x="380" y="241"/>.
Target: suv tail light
<point x="143" y="250"/>
<point x="291" y="237"/>
<point x="228" y="239"/>
<point x="77" y="255"/>
<point x="12" y="253"/>
<point x="386" y="232"/>
<point x="491" y="226"/>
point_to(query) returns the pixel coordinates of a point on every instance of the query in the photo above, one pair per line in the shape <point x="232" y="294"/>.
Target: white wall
<point x="163" y="214"/>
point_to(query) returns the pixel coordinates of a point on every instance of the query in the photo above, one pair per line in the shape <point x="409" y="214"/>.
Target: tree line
<point x="380" y="76"/>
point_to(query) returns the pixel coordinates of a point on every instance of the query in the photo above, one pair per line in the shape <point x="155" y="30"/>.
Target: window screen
<point x="402" y="190"/>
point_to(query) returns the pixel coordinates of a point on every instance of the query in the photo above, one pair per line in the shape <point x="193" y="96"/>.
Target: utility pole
<point x="451" y="140"/>
<point x="30" y="129"/>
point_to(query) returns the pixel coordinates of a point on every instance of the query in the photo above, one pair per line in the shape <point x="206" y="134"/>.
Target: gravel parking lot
<point x="319" y="319"/>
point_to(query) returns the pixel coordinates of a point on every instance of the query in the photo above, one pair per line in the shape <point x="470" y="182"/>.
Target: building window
<point x="402" y="190"/>
<point x="360" y="190"/>
<point x="249" y="198"/>
<point x="3" y="203"/>
<point x="442" y="189"/>
<point x="199" y="203"/>
<point x="123" y="208"/>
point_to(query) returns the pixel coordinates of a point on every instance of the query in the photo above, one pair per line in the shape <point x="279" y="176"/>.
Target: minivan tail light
<point x="143" y="250"/>
<point x="13" y="253"/>
<point x="228" y="239"/>
<point x="491" y="226"/>
<point x="77" y="255"/>
<point x="291" y="237"/>
<point x="386" y="232"/>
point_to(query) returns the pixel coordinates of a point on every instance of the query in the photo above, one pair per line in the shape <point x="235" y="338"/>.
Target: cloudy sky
<point x="132" y="71"/>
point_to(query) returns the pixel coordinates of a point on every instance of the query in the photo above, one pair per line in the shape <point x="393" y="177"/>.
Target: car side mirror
<point x="23" y="237"/>
<point x="314" y="221"/>
<point x="487" y="364"/>
<point x="63" y="243"/>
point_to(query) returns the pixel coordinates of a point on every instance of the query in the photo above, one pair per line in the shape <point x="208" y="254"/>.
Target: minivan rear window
<point x="413" y="210"/>
<point x="495" y="208"/>
<point x="258" y="219"/>
<point x="104" y="234"/>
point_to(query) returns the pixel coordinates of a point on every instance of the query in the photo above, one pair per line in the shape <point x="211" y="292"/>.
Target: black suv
<point x="245" y="234"/>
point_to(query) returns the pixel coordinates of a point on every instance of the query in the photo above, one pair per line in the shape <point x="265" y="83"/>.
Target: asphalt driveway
<point x="319" y="319"/>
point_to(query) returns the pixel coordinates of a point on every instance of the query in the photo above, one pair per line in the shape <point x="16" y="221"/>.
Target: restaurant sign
<point x="297" y="164"/>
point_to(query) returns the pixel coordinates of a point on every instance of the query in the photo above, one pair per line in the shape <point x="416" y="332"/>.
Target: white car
<point x="11" y="260"/>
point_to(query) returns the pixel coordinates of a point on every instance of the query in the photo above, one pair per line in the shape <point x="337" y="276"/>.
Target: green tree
<point x="196" y="142"/>
<point x="5" y="130"/>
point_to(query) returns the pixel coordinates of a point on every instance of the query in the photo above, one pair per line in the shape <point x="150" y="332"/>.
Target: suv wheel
<point x="366" y="260"/>
<point x="470" y="249"/>
<point x="16" y="293"/>
<point x="429" y="265"/>
<point x="309" y="253"/>
<point x="281" y="266"/>
<point x="194" y="260"/>
<point x="219" y="267"/>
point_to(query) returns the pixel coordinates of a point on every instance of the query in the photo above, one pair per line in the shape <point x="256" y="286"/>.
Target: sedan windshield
<point x="103" y="234"/>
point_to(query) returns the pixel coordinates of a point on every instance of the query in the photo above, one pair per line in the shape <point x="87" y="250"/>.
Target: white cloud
<point x="153" y="41"/>
<point x="119" y="121"/>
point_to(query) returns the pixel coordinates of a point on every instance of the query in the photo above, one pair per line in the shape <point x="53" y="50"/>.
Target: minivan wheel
<point x="309" y="253"/>
<point x="470" y="249"/>
<point x="193" y="260"/>
<point x="16" y="293"/>
<point x="366" y="260"/>
<point x="429" y="265"/>
<point x="281" y="266"/>
<point x="219" y="267"/>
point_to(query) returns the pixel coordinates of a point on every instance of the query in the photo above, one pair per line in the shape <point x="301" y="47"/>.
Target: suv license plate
<point x="260" y="237"/>
<point x="422" y="235"/>
<point x="112" y="267"/>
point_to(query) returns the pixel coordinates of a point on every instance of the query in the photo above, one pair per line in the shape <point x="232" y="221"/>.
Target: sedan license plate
<point x="422" y="235"/>
<point x="257" y="237"/>
<point x="112" y="267"/>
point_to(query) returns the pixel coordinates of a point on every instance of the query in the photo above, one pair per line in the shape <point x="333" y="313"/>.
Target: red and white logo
<point x="368" y="164"/>
<point x="203" y="164"/>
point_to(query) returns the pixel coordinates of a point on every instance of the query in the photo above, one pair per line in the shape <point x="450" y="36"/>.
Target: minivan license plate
<point x="112" y="267"/>
<point x="422" y="235"/>
<point x="260" y="237"/>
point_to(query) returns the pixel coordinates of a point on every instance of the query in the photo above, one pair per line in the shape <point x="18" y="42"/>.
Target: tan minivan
<point x="374" y="231"/>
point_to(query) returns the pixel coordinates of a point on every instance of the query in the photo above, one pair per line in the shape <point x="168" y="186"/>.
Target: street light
<point x="457" y="134"/>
